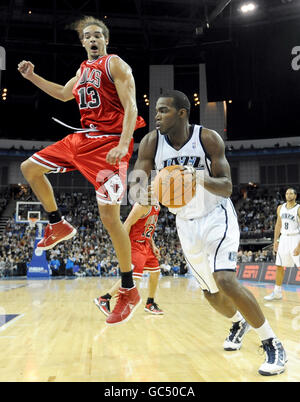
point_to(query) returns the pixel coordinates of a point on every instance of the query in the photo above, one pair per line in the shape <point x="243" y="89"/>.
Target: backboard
<point x="30" y="209"/>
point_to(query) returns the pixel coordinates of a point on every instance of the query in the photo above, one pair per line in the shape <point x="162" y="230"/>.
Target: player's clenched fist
<point x="26" y="69"/>
<point x="116" y="154"/>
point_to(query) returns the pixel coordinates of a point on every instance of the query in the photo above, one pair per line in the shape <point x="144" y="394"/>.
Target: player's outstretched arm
<point x="57" y="91"/>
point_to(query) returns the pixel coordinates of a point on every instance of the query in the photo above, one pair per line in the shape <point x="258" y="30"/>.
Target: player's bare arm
<point x="219" y="182"/>
<point x="277" y="230"/>
<point x="297" y="249"/>
<point x="137" y="212"/>
<point x="154" y="248"/>
<point x="125" y="86"/>
<point x="143" y="167"/>
<point x="57" y="91"/>
<point x="146" y="153"/>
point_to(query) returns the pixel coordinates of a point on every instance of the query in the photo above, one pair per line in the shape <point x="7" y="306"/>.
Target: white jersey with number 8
<point x="290" y="224"/>
<point x="290" y="237"/>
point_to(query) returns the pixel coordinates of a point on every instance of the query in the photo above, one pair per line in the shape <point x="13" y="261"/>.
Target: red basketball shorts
<point x="143" y="259"/>
<point x="87" y="154"/>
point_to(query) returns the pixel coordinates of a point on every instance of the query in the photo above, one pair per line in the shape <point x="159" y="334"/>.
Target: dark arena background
<point x="239" y="64"/>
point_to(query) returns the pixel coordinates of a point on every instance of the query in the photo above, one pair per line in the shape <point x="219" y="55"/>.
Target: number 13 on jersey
<point x="89" y="98"/>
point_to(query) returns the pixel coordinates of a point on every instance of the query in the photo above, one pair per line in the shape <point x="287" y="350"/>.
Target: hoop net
<point x="32" y="221"/>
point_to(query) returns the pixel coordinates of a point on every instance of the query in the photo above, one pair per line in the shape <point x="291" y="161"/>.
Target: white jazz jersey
<point x="193" y="154"/>
<point x="290" y="224"/>
<point x="289" y="237"/>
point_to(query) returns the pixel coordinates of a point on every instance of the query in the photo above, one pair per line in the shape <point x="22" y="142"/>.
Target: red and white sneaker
<point x="55" y="233"/>
<point x="128" y="301"/>
<point x="153" y="308"/>
<point x="103" y="305"/>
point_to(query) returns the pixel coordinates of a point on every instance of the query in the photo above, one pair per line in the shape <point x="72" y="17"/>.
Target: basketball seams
<point x="172" y="187"/>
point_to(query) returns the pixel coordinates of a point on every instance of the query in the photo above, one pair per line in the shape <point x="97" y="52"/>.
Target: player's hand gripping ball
<point x="175" y="186"/>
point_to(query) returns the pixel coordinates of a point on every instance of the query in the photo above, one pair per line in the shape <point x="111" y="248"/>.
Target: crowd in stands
<point x="255" y="256"/>
<point x="90" y="252"/>
<point x="4" y="198"/>
<point x="257" y="211"/>
<point x="257" y="216"/>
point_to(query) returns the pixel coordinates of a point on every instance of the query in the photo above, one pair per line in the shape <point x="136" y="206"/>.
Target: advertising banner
<point x="266" y="272"/>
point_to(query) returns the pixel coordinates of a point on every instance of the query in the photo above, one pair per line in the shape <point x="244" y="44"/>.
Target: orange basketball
<point x="174" y="186"/>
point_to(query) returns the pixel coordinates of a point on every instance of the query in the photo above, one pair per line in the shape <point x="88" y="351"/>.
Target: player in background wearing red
<point x="104" y="89"/>
<point x="140" y="224"/>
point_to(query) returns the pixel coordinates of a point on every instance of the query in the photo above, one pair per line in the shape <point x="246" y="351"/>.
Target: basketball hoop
<point x="30" y="209"/>
<point x="32" y="222"/>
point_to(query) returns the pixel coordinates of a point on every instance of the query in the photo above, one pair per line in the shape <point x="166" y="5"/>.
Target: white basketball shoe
<point x="276" y="358"/>
<point x="274" y="296"/>
<point x="236" y="335"/>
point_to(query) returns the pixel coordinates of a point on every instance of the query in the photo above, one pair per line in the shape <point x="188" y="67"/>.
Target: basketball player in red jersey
<point x="140" y="224"/>
<point x="104" y="89"/>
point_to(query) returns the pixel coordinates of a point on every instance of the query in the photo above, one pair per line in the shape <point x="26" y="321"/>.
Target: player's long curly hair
<point x="86" y="21"/>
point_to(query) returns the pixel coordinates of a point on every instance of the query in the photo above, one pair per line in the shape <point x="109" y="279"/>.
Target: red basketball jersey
<point x="144" y="228"/>
<point x="97" y="98"/>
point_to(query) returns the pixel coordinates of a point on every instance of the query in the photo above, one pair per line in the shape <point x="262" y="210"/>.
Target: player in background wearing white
<point x="286" y="240"/>
<point x="207" y="226"/>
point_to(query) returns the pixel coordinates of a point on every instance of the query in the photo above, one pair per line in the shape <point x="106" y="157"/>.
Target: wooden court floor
<point x="57" y="334"/>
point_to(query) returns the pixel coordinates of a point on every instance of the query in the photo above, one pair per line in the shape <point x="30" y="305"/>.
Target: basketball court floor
<point x="50" y="330"/>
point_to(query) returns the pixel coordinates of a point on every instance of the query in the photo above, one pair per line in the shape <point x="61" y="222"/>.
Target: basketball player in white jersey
<point x="286" y="240"/>
<point x="207" y="226"/>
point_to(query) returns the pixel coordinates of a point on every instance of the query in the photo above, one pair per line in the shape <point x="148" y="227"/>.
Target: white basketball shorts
<point x="210" y="243"/>
<point x="284" y="256"/>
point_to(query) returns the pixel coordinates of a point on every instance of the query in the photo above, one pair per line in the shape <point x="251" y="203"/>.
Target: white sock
<point x="265" y="331"/>
<point x="237" y="317"/>
<point x="277" y="289"/>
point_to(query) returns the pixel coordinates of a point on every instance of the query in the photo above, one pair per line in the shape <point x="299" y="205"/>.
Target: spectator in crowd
<point x="54" y="266"/>
<point x="69" y="266"/>
<point x="183" y="268"/>
<point x="2" y="267"/>
<point x="165" y="268"/>
<point x="10" y="267"/>
<point x="76" y="268"/>
<point x="92" y="267"/>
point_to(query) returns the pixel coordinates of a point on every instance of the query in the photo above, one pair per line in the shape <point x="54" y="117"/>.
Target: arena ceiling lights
<point x="248" y="7"/>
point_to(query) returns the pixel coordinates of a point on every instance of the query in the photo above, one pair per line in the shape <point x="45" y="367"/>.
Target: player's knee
<point x="30" y="170"/>
<point x="226" y="281"/>
<point x="25" y="169"/>
<point x="210" y="297"/>
<point x="110" y="222"/>
<point x="207" y="294"/>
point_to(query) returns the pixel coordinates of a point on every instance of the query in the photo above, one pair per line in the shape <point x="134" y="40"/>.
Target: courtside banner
<point x="269" y="273"/>
<point x="266" y="272"/>
<point x="294" y="278"/>
<point x="250" y="272"/>
<point x="38" y="266"/>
